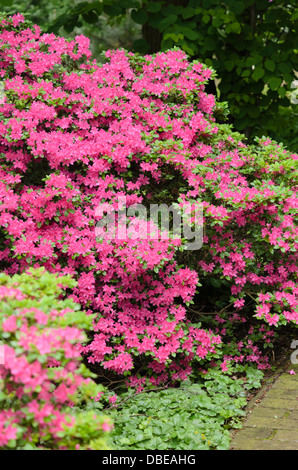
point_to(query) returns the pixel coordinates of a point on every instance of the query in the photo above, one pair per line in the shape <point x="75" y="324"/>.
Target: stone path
<point x="272" y="418"/>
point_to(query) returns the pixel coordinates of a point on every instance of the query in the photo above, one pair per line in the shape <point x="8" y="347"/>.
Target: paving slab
<point x="271" y="421"/>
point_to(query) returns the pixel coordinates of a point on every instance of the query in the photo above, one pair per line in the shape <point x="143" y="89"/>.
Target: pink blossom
<point x="112" y="398"/>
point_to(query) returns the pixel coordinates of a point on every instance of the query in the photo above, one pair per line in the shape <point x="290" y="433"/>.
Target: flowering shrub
<point x="42" y="377"/>
<point x="75" y="135"/>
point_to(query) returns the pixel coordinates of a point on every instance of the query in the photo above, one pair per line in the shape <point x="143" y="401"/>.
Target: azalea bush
<point x="42" y="377"/>
<point x="77" y="136"/>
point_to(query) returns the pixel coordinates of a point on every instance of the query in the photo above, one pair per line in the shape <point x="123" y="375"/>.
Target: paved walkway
<point x="272" y="418"/>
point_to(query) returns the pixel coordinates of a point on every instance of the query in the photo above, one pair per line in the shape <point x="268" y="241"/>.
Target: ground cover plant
<point x="193" y="416"/>
<point x="76" y="137"/>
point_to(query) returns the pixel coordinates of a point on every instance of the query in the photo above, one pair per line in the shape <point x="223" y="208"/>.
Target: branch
<point x="247" y="292"/>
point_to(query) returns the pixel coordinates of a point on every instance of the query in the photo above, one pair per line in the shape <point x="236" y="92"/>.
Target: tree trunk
<point x="153" y="36"/>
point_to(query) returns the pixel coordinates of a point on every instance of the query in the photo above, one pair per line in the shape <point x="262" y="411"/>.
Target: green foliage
<point x="196" y="416"/>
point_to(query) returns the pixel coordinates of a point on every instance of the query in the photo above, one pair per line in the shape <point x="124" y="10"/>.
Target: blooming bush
<point x="41" y="377"/>
<point x="76" y="135"/>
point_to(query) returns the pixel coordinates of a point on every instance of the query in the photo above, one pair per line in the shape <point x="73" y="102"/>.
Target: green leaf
<point x="153" y="7"/>
<point x="282" y="91"/>
<point x="70" y="23"/>
<point x="97" y="6"/>
<point x="188" y="12"/>
<point x="270" y="65"/>
<point x="257" y="57"/>
<point x="139" y="16"/>
<point x="173" y="36"/>
<point x="285" y="68"/>
<point x="190" y="34"/>
<point x="217" y="21"/>
<point x="229" y="64"/>
<point x="274" y="82"/>
<point x="165" y="22"/>
<point x="250" y="61"/>
<point x="90" y="17"/>
<point x="113" y="10"/>
<point x="185" y="46"/>
<point x="233" y="28"/>
<point x="246" y="73"/>
<point x="258" y="73"/>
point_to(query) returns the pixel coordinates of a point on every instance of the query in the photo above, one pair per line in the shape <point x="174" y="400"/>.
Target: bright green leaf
<point x="269" y="65"/>
<point x="165" y="22"/>
<point x="258" y="73"/>
<point x="274" y="82"/>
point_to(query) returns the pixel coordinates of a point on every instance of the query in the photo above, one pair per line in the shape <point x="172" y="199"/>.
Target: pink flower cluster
<point x="37" y="389"/>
